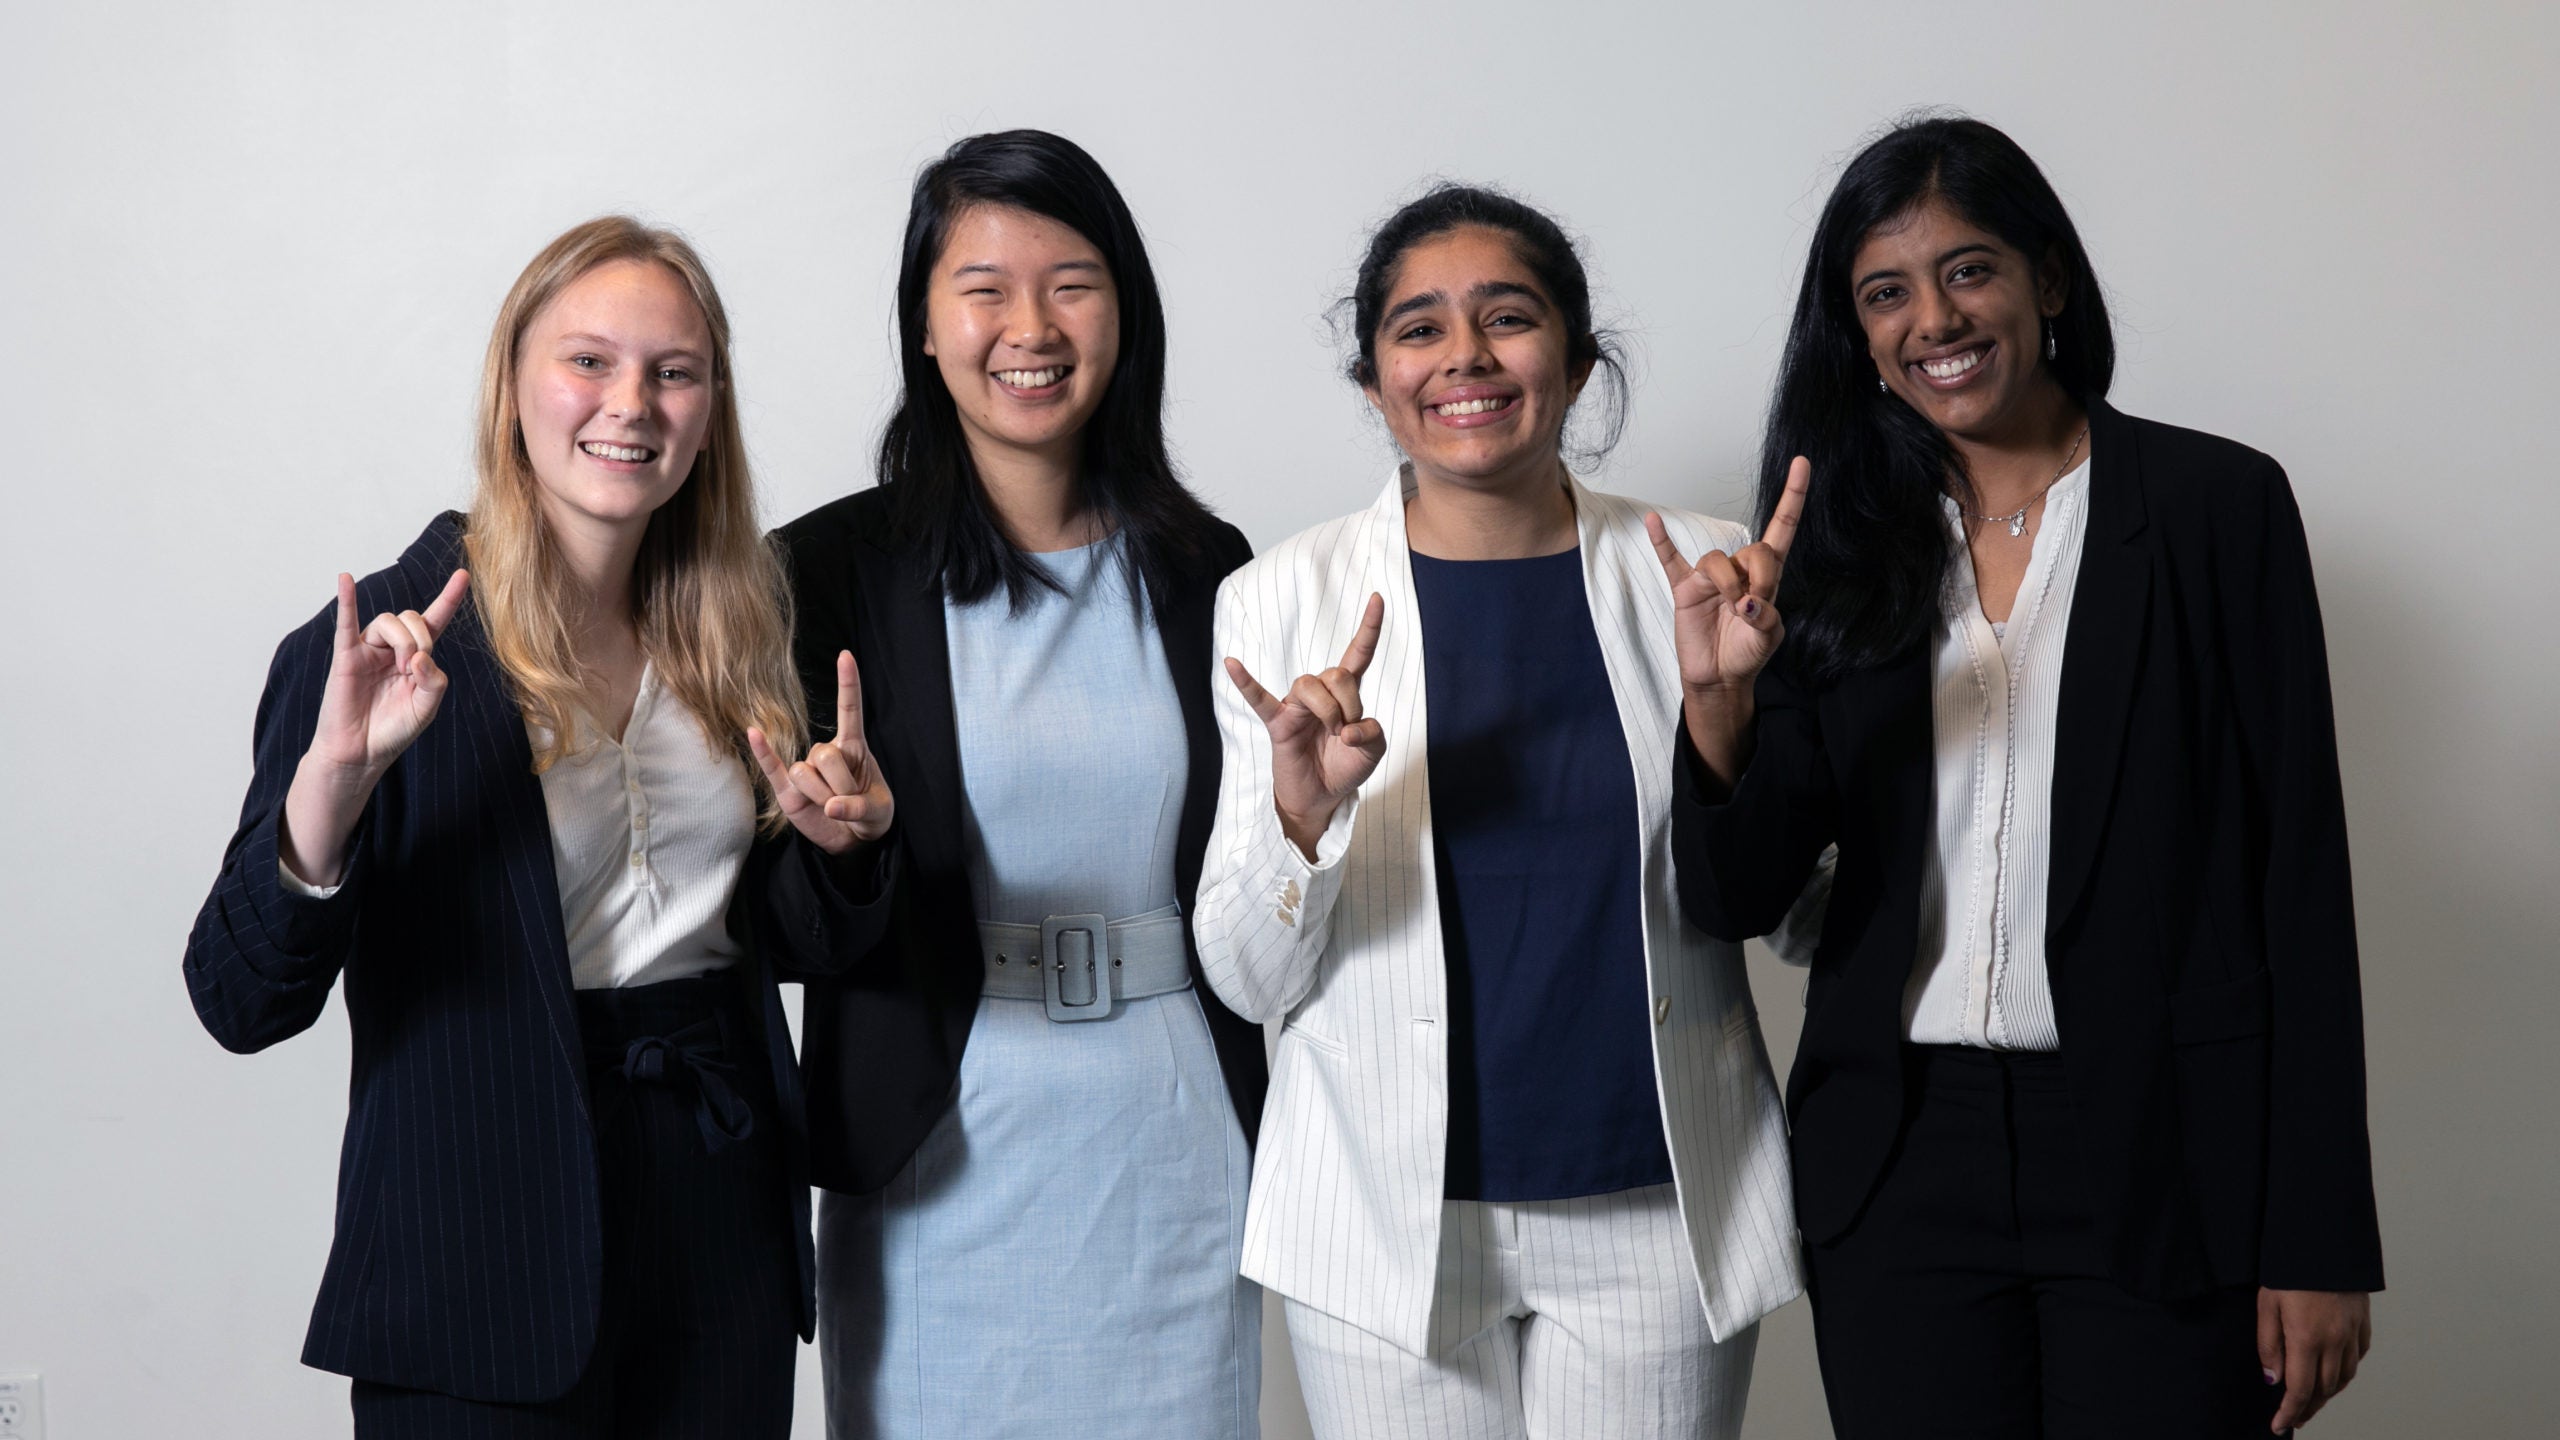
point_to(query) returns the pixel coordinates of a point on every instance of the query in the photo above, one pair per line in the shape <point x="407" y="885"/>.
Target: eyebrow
<point x="1484" y="290"/>
<point x="1965" y="249"/>
<point x="681" y="352"/>
<point x="989" y="267"/>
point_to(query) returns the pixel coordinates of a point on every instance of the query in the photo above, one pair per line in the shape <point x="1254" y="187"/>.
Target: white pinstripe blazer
<point x="1347" y="1181"/>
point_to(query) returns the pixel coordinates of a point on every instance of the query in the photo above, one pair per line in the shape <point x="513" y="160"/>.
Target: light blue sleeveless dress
<point x="1060" y="1257"/>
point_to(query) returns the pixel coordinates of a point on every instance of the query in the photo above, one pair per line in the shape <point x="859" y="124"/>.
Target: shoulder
<point x="862" y="515"/>
<point x="2183" y="468"/>
<point x="1318" y="558"/>
<point x="1622" y="516"/>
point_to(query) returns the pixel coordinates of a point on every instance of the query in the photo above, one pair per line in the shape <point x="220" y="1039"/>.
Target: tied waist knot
<point x="694" y="1051"/>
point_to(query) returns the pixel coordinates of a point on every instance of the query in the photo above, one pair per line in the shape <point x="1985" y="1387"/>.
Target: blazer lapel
<point x="2102" y="659"/>
<point x="906" y="694"/>
<point x="490" y="724"/>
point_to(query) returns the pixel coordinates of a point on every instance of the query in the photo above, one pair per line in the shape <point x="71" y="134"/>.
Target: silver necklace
<point x="2017" y="519"/>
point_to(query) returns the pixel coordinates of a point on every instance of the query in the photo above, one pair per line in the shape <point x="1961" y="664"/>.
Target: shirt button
<point x="1662" y="1010"/>
<point x="635" y="859"/>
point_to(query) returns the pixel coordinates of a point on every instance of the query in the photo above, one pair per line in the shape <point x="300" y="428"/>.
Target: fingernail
<point x="1751" y="609"/>
<point x="2269" y="1375"/>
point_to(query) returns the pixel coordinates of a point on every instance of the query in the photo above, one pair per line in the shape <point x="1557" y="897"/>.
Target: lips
<point x="1037" y="384"/>
<point x="1953" y="369"/>
<point x="1471" y="405"/>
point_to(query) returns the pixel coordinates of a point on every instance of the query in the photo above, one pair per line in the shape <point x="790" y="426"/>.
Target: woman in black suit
<point x="2079" y="1104"/>
<point x="516" y="812"/>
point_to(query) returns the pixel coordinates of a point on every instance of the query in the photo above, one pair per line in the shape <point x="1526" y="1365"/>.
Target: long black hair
<point x="1541" y="245"/>
<point x="1126" y="477"/>
<point x="1862" y="578"/>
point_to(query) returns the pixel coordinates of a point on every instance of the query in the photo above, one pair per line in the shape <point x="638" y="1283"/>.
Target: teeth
<point x="1469" y="407"/>
<point x="1033" y="379"/>
<point x="627" y="453"/>
<point x="1950" y="369"/>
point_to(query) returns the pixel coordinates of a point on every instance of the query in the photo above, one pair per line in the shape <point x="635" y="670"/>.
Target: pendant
<point x="2018" y="524"/>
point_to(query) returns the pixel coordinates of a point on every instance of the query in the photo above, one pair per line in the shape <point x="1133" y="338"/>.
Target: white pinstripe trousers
<point x="1552" y="1318"/>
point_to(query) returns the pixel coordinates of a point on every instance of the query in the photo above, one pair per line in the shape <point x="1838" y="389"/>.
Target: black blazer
<point x="2201" y="940"/>
<point x="467" y="1254"/>
<point x="883" y="1042"/>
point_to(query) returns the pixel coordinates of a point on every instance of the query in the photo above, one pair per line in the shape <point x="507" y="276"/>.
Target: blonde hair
<point x="708" y="594"/>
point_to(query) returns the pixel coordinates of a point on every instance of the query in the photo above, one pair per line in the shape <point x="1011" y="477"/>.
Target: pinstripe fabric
<point x="467" y="1251"/>
<point x="1347" y="1188"/>
<point x="1562" y="1318"/>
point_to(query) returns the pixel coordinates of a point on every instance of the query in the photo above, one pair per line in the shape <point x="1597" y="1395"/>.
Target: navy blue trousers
<point x="1972" y="1299"/>
<point x="699" y="1331"/>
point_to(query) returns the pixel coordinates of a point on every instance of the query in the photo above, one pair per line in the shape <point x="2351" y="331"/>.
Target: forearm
<point x="320" y="814"/>
<point x="1720" y="721"/>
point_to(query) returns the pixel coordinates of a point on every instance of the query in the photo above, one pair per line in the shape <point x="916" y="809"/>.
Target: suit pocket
<point x="1315" y="1039"/>
<point x="2218" y="1054"/>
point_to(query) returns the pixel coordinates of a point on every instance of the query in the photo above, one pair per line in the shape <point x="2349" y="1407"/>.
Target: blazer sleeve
<point x="823" y="914"/>
<point x="262" y="957"/>
<point x="1745" y="863"/>
<point x="1265" y="912"/>
<point x="2320" y="1230"/>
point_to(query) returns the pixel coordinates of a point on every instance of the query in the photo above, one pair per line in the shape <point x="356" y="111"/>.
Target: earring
<point x="1881" y="387"/>
<point x="2050" y="348"/>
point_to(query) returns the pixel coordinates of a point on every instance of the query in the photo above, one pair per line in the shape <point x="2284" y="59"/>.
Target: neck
<point x="1035" y="497"/>
<point x="600" y="556"/>
<point x="2012" y="465"/>
<point x="1507" y="518"/>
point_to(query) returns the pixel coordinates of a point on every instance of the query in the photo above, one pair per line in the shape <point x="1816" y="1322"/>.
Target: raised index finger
<point x="848" y="697"/>
<point x="439" y="611"/>
<point x="1364" y="641"/>
<point x="1790" y="511"/>
<point x="348" y="628"/>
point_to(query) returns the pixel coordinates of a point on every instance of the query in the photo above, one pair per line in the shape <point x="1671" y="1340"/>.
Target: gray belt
<point x="1078" y="964"/>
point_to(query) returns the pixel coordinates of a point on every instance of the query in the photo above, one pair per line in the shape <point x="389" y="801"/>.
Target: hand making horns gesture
<point x="384" y="684"/>
<point x="1724" y="613"/>
<point x="836" y="796"/>
<point x="1322" y="743"/>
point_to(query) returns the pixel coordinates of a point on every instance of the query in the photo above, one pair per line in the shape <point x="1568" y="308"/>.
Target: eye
<point x="587" y="362"/>
<point x="1419" y="330"/>
<point x="675" y="374"/>
<point x="1970" y="270"/>
<point x="1883" y="295"/>
<point x="1516" y="322"/>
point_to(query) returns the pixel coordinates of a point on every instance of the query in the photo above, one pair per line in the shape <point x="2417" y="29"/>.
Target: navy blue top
<point x="1534" y="834"/>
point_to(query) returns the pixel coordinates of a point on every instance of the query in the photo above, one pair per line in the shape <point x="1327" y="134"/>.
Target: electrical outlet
<point x="22" y="1407"/>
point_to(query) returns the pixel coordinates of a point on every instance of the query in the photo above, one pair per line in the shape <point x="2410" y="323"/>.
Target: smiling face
<point x="1471" y="368"/>
<point x="1023" y="320"/>
<point x="1954" y="320"/>
<point x="614" y="394"/>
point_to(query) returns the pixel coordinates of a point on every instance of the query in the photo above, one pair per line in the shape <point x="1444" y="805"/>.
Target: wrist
<point x="339" y="779"/>
<point x="1305" y="828"/>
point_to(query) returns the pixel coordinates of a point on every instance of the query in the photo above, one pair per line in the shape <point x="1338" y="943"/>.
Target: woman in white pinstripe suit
<point x="1522" y="1169"/>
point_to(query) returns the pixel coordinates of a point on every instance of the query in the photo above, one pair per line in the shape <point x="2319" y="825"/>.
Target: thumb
<point x="2270" y="1338"/>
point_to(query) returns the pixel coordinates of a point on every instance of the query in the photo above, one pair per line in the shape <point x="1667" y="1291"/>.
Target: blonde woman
<point x="516" y="810"/>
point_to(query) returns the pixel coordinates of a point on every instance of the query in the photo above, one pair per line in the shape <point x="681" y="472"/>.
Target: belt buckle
<point x="1057" y="985"/>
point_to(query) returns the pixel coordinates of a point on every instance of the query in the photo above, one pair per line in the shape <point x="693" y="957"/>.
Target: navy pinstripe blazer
<point x="468" y="1250"/>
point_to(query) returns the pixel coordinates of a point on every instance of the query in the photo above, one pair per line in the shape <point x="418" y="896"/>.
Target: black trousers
<point x="1971" y="1299"/>
<point x="701" y="1288"/>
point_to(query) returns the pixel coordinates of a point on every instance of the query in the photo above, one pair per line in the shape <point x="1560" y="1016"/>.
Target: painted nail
<point x="1751" y="609"/>
<point x="2269" y="1374"/>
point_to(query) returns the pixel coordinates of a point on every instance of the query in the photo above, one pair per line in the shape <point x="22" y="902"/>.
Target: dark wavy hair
<point x="1862" y="578"/>
<point x="1127" y="477"/>
<point x="1542" y="246"/>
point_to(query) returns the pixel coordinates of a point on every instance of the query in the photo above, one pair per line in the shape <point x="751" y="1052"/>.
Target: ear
<point x="2053" y="284"/>
<point x="1581" y="376"/>
<point x="928" y="337"/>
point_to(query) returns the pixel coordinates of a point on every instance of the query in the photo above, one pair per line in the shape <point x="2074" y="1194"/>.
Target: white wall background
<point x="249" y="254"/>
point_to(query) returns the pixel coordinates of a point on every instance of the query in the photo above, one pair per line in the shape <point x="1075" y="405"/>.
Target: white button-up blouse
<point x="1979" y="976"/>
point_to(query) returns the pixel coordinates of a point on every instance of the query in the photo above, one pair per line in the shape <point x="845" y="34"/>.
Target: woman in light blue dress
<point x="1030" y="1121"/>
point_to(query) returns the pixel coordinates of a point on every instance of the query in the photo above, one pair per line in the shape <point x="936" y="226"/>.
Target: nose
<point x="1937" y="316"/>
<point x="1470" y="351"/>
<point x="1030" y="326"/>
<point x="628" y="399"/>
